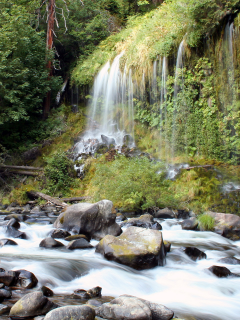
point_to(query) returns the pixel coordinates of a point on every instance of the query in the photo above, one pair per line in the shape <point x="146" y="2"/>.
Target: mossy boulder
<point x="94" y="220"/>
<point x="226" y="224"/>
<point x="31" y="305"/>
<point x="136" y="247"/>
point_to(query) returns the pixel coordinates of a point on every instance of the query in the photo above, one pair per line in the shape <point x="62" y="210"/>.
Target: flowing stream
<point x="183" y="285"/>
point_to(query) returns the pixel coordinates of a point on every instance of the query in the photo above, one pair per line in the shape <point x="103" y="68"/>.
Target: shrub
<point x="206" y="222"/>
<point x="59" y="173"/>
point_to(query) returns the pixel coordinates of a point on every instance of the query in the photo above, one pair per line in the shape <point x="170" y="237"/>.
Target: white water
<point x="182" y="285"/>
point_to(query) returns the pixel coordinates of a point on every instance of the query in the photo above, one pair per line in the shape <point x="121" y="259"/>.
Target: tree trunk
<point x="50" y="32"/>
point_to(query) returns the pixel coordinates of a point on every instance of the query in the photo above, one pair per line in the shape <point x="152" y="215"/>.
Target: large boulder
<point x="31" y="305"/>
<point x="165" y="213"/>
<point x="71" y="313"/>
<point x="226" y="224"/>
<point x="95" y="220"/>
<point x="136" y="247"/>
<point x="144" y="221"/>
<point x="132" y="308"/>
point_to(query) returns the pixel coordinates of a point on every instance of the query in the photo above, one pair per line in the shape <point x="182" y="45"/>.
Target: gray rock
<point x="132" y="308"/>
<point x="13" y="223"/>
<point x="144" y="221"/>
<point x="136" y="247"/>
<point x="189" y="224"/>
<point x="226" y="224"/>
<point x="77" y="236"/>
<point x="79" y="244"/>
<point x="228" y="260"/>
<point x="108" y="141"/>
<point x="50" y="243"/>
<point x="5" y="294"/>
<point x="16" y="216"/>
<point x="31" y="305"/>
<point x="71" y="313"/>
<point x="25" y="279"/>
<point x="96" y="220"/>
<point x="36" y="209"/>
<point x="94" y="303"/>
<point x="8" y="277"/>
<point x="4" y="309"/>
<point x="165" y="213"/>
<point x="59" y="234"/>
<point x="7" y="242"/>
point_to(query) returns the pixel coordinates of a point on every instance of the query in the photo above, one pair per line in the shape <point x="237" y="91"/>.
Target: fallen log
<point x="75" y="199"/>
<point x="3" y="167"/>
<point x="35" y="194"/>
<point x="25" y="173"/>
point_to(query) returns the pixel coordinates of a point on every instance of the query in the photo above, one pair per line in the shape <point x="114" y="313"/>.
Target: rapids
<point x="182" y="285"/>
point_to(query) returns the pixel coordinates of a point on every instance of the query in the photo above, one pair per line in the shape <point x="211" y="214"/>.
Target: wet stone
<point x="220" y="272"/>
<point x="59" y="234"/>
<point x="227" y="260"/>
<point x="5" y="294"/>
<point x="26" y="279"/>
<point x="195" y="254"/>
<point x="50" y="243"/>
<point x="47" y="292"/>
<point x="77" y="236"/>
<point x="7" y="242"/>
<point x="79" y="244"/>
<point x="81" y="294"/>
<point x="7" y="277"/>
<point x="4" y="309"/>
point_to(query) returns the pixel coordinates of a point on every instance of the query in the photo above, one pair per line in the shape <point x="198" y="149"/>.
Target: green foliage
<point x="59" y="173"/>
<point x="130" y="183"/>
<point x="23" y="73"/>
<point x="206" y="222"/>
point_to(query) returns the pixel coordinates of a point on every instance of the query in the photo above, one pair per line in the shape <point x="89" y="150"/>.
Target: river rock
<point x="228" y="260"/>
<point x="14" y="233"/>
<point x="8" y="277"/>
<point x="144" y="221"/>
<point x="71" y="313"/>
<point x="13" y="223"/>
<point x="25" y="279"/>
<point x="132" y="308"/>
<point x="79" y="244"/>
<point x="195" y="254"/>
<point x="85" y="295"/>
<point x="167" y="246"/>
<point x="165" y="213"/>
<point x="16" y="216"/>
<point x="77" y="236"/>
<point x="226" y="224"/>
<point x="4" y="309"/>
<point x="95" y="303"/>
<point x="220" y="272"/>
<point x="189" y="224"/>
<point x="7" y="242"/>
<point x="59" y="234"/>
<point x="47" y="292"/>
<point x="31" y="305"/>
<point x="50" y="243"/>
<point x="136" y="247"/>
<point x="95" y="220"/>
<point x="5" y="294"/>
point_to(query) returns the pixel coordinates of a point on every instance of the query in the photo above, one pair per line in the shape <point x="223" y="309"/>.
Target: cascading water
<point x="178" y="86"/>
<point x="111" y="115"/>
<point x="183" y="285"/>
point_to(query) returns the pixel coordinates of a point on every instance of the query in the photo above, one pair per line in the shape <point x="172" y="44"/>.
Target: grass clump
<point x="206" y="222"/>
<point x="130" y="183"/>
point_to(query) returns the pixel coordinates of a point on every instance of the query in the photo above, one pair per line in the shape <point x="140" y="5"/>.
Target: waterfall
<point x="111" y="114"/>
<point x="163" y="107"/>
<point x="178" y="86"/>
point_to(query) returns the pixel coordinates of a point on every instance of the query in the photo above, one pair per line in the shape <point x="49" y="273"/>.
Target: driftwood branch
<point x="35" y="194"/>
